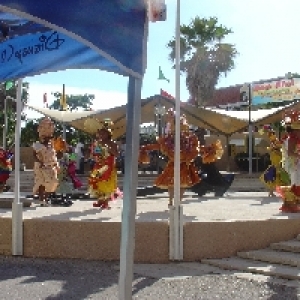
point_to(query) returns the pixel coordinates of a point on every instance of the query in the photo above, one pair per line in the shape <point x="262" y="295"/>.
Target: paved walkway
<point x="35" y="279"/>
<point x="231" y="207"/>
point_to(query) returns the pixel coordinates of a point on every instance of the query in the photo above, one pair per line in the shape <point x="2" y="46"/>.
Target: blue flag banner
<point x="102" y="34"/>
<point x="49" y="51"/>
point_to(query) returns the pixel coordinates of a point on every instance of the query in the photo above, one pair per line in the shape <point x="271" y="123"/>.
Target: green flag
<point x="9" y="85"/>
<point x="161" y="75"/>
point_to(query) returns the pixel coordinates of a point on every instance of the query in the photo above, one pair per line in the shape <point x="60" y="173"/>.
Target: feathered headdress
<point x="184" y="126"/>
<point x="91" y="125"/>
<point x="107" y="124"/>
<point x="60" y="144"/>
<point x="170" y="127"/>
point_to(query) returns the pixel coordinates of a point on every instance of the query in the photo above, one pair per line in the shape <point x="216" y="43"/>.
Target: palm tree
<point x="204" y="58"/>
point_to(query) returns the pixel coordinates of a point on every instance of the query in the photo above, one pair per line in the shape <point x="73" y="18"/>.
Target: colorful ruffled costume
<point x="291" y="162"/>
<point x="189" y="149"/>
<point x="188" y="152"/>
<point x="5" y="166"/>
<point x="273" y="176"/>
<point x="103" y="177"/>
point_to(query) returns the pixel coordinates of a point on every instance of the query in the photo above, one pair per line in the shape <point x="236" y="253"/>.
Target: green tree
<point x="8" y="93"/>
<point x="74" y="102"/>
<point x="29" y="133"/>
<point x="204" y="57"/>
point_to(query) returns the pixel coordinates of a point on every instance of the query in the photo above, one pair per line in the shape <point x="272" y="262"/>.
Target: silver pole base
<point x="176" y="233"/>
<point x="17" y="228"/>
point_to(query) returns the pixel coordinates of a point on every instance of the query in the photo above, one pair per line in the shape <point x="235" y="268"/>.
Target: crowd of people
<point x="57" y="164"/>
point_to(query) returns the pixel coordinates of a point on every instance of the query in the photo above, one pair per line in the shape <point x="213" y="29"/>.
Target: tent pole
<point x="5" y="123"/>
<point x="17" y="205"/>
<point x="64" y="131"/>
<point x="250" y="131"/>
<point x="176" y="213"/>
<point x="129" y="189"/>
<point x="228" y="154"/>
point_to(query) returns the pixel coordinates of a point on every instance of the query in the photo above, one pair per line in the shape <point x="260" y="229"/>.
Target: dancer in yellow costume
<point x="45" y="165"/>
<point x="272" y="175"/>
<point x="103" y="177"/>
<point x="189" y="149"/>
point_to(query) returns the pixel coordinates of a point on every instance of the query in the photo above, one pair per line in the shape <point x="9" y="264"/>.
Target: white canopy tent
<point x="259" y="116"/>
<point x="62" y="116"/>
<point x="222" y="121"/>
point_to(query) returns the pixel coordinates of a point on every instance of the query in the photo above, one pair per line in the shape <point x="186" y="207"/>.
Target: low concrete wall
<point x="225" y="239"/>
<point x="101" y="240"/>
<point x="5" y="236"/>
<point x="93" y="240"/>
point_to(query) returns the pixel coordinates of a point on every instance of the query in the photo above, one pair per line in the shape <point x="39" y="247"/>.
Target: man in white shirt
<point x="79" y="151"/>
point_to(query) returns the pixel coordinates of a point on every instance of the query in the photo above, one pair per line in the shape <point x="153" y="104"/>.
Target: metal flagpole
<point x="250" y="133"/>
<point x="63" y="107"/>
<point x="246" y="93"/>
<point x="5" y="122"/>
<point x="176" y="214"/>
<point x="129" y="188"/>
<point x="17" y="206"/>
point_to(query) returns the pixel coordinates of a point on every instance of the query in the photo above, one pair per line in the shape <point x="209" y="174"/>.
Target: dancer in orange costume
<point x="291" y="194"/>
<point x="103" y="177"/>
<point x="189" y="149"/>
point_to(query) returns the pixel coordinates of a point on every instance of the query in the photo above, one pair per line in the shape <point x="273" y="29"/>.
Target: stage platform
<point x="213" y="227"/>
<point x="233" y="206"/>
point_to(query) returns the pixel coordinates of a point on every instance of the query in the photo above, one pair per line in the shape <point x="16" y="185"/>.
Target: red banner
<point x="166" y="94"/>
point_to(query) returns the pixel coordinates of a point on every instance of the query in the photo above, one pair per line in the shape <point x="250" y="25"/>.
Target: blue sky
<point x="265" y="33"/>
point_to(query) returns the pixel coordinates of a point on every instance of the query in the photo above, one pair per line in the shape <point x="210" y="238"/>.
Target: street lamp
<point x="4" y="133"/>
<point x="246" y="93"/>
<point x="159" y="112"/>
